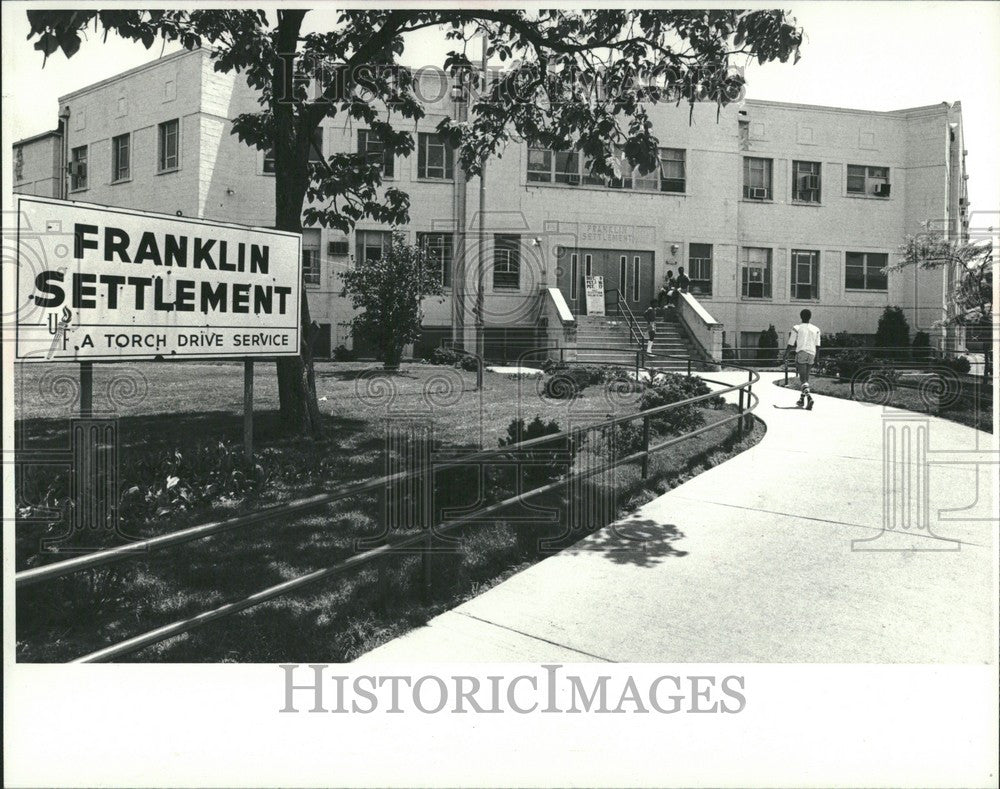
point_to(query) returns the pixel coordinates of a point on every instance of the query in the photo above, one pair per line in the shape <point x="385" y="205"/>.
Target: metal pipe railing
<point x="100" y="558"/>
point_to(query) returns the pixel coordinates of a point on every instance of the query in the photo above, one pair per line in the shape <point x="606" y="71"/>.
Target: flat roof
<point x="40" y="136"/>
<point x="110" y="80"/>
<point x="821" y="107"/>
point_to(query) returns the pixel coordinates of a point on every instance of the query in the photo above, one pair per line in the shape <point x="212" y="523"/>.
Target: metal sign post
<point x="86" y="389"/>
<point x="248" y="409"/>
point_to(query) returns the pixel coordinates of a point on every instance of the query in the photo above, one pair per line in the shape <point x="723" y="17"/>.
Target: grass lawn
<point x="963" y="411"/>
<point x="180" y="463"/>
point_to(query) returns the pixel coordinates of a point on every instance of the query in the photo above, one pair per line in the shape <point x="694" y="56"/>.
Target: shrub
<point x="841" y="340"/>
<point x="547" y="461"/>
<point x="849" y="362"/>
<point x="442" y="355"/>
<point x="467" y="362"/>
<point x="893" y="334"/>
<point x="344" y="354"/>
<point x="627" y="437"/>
<point x="566" y="383"/>
<point x="674" y="389"/>
<point x="958" y="364"/>
<point x="768" y="345"/>
<point x="921" y="348"/>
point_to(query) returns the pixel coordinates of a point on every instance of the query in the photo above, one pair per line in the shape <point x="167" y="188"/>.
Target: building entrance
<point x="626" y="270"/>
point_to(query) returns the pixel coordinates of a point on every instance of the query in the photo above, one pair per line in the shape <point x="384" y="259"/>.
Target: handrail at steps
<point x="704" y="330"/>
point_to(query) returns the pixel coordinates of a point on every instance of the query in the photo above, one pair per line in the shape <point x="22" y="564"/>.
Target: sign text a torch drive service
<point x="97" y="283"/>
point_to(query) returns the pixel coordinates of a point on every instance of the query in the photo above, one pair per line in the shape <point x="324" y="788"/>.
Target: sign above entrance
<point x="619" y="235"/>
<point x="96" y="283"/>
<point x="595" y="295"/>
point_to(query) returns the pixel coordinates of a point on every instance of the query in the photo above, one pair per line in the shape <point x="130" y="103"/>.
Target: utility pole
<point x="458" y="280"/>
<point x="481" y="268"/>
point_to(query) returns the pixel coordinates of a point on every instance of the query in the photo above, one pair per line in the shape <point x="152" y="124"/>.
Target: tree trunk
<point x="296" y="377"/>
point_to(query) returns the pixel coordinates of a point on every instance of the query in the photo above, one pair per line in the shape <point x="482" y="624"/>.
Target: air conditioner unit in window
<point x="810" y="182"/>
<point x="882" y="190"/>
<point x="758" y="193"/>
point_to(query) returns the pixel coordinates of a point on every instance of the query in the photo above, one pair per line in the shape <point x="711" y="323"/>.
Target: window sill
<point x="866" y="197"/>
<point x="765" y="201"/>
<point x="498" y="289"/>
<point x="169" y="171"/>
<point x="78" y="190"/>
<point x="435" y="180"/>
<point x="806" y="203"/>
<point x="121" y="181"/>
<point x="757" y="298"/>
<point x="604" y="189"/>
<point x="803" y="301"/>
<point x="866" y="290"/>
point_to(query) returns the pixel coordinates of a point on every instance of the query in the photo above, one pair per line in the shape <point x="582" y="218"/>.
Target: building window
<point x="806" y="182"/>
<point x="805" y="274"/>
<point x="864" y="180"/>
<point x="375" y="152"/>
<point x="539" y="165"/>
<point x="700" y="269"/>
<point x="338" y="247"/>
<point x="865" y="271"/>
<point x="636" y="263"/>
<point x="756" y="178"/>
<point x="78" y="168"/>
<point x="121" y="156"/>
<point x="673" y="171"/>
<point x="372" y="245"/>
<point x="506" y="262"/>
<point x="567" y="167"/>
<point x="588" y="265"/>
<point x="315" y="153"/>
<point x="756" y="273"/>
<point x="438" y="249"/>
<point x="310" y="257"/>
<point x="18" y="163"/>
<point x="169" y="146"/>
<point x="435" y="158"/>
<point x="574" y="274"/>
<point x="623" y="274"/>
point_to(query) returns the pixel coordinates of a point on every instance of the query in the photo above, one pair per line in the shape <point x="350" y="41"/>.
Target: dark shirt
<point x="683" y="282"/>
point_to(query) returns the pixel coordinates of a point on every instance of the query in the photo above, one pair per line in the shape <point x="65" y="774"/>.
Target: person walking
<point x="804" y="339"/>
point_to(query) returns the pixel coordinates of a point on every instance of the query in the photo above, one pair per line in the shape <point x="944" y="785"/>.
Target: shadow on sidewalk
<point x="640" y="542"/>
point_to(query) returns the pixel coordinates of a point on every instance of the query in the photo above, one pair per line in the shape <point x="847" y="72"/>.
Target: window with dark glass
<point x="121" y="158"/>
<point x="700" y="269"/>
<point x="439" y="251"/>
<point x="806" y="182"/>
<point x="865" y="180"/>
<point x="310" y="257"/>
<point x="315" y="152"/>
<point x="506" y="262"/>
<point x="371" y="245"/>
<point x="805" y="274"/>
<point x="567" y="165"/>
<point x="756" y="273"/>
<point x="435" y="158"/>
<point x="865" y="271"/>
<point x="78" y="168"/>
<point x="756" y="178"/>
<point x="169" y="146"/>
<point x="539" y="165"/>
<point x="673" y="171"/>
<point x="375" y="152"/>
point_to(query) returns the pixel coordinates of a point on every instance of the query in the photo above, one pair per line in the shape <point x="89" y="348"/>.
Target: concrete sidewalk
<point x="778" y="555"/>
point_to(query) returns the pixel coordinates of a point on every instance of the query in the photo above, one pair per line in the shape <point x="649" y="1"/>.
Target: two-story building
<point x="769" y="207"/>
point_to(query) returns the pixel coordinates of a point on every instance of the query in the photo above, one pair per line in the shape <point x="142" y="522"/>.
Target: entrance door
<point x="626" y="270"/>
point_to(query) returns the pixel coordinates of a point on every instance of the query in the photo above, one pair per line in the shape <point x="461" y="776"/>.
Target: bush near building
<point x="892" y="337"/>
<point x="768" y="345"/>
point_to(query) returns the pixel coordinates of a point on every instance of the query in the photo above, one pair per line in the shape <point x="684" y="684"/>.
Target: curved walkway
<point x="789" y="552"/>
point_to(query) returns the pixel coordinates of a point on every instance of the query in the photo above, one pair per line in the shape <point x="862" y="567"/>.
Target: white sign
<point x="595" y="295"/>
<point x="107" y="283"/>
